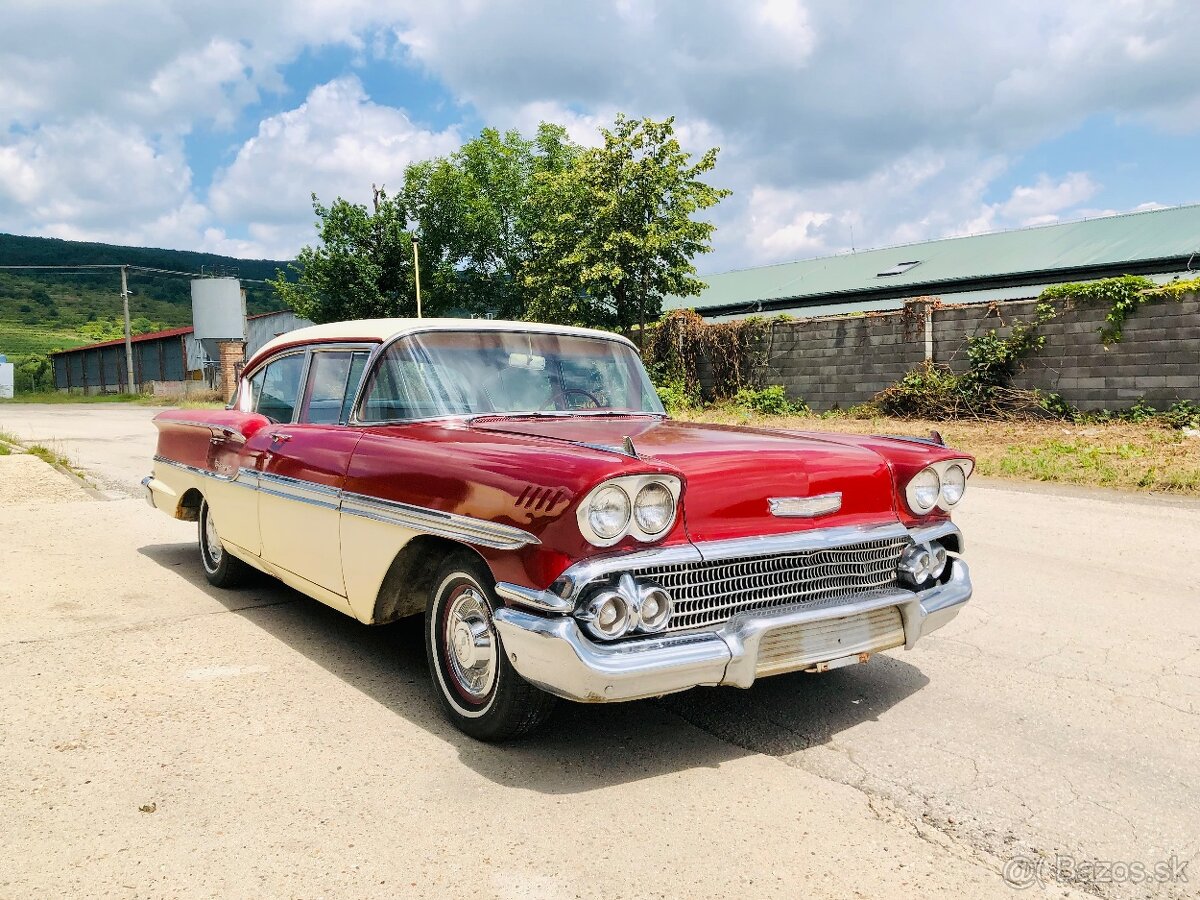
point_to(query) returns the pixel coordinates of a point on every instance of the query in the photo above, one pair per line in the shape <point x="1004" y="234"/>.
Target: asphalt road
<point x="162" y="738"/>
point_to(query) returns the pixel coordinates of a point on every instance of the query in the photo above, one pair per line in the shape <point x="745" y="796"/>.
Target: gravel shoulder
<point x="26" y="480"/>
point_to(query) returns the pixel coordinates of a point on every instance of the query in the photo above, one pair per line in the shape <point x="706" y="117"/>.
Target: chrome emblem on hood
<point x="805" y="507"/>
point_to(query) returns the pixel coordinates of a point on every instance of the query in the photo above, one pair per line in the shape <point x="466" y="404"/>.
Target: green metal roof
<point x="964" y="263"/>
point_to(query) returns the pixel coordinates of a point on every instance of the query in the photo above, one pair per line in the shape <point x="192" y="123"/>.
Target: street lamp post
<point x="417" y="272"/>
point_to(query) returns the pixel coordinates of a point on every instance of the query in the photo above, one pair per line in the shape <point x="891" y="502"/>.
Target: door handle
<point x="279" y="437"/>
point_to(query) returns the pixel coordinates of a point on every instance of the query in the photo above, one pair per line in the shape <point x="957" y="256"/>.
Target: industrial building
<point x="172" y="362"/>
<point x="1008" y="265"/>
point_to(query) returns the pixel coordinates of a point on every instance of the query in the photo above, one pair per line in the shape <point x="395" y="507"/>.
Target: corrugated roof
<point x="136" y="339"/>
<point x="157" y="335"/>
<point x="1111" y="241"/>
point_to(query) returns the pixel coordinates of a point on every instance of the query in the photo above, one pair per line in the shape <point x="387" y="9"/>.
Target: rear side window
<point x="333" y="379"/>
<point x="275" y="390"/>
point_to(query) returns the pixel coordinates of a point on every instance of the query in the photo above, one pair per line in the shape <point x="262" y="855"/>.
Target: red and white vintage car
<point x="521" y="486"/>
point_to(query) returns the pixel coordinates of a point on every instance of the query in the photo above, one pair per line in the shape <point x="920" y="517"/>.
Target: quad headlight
<point x="608" y="513"/>
<point x="921" y="563"/>
<point x="941" y="484"/>
<point x="954" y="484"/>
<point x="923" y="491"/>
<point x="629" y="606"/>
<point x="654" y="508"/>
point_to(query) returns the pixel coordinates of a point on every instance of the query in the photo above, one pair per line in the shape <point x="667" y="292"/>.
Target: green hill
<point x="44" y="311"/>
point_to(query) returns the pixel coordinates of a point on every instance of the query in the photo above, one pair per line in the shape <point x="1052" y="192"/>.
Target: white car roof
<point x="386" y="329"/>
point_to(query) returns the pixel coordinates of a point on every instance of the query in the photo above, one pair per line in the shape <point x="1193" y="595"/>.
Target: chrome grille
<point x="709" y="593"/>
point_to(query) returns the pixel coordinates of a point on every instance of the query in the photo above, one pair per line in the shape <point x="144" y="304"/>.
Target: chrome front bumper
<point x="554" y="654"/>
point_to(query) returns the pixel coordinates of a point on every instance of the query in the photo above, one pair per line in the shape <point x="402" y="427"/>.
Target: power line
<point x="82" y="269"/>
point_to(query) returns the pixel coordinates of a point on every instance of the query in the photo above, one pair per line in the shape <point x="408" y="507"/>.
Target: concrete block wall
<point x="844" y="361"/>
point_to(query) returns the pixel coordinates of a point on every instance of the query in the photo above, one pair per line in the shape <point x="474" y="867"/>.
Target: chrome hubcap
<point x="472" y="645"/>
<point x="212" y="541"/>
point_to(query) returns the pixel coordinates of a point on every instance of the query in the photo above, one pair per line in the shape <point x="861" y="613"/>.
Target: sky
<point x="842" y="124"/>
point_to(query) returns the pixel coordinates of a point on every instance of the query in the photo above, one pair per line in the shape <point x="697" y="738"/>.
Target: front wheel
<point x="221" y="569"/>
<point x="480" y="691"/>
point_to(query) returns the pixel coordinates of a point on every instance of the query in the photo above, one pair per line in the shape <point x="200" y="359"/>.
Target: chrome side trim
<point x="205" y="473"/>
<point x="296" y="489"/>
<point x="534" y="599"/>
<point x="418" y="518"/>
<point x="432" y="521"/>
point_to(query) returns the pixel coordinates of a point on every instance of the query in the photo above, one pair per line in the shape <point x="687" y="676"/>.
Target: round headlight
<point x="608" y="512"/>
<point x="607" y="615"/>
<point x="954" y="485"/>
<point x="923" y="491"/>
<point x="654" y="508"/>
<point x="654" y="609"/>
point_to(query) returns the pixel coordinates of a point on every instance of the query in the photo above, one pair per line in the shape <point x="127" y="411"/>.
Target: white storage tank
<point x="218" y="309"/>
<point x="6" y="379"/>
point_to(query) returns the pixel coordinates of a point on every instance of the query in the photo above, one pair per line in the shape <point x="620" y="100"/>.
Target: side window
<point x="280" y="388"/>
<point x="405" y="384"/>
<point x="357" y="365"/>
<point x="333" y="380"/>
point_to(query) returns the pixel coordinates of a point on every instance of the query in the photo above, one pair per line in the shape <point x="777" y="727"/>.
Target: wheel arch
<point x="189" y="505"/>
<point x="409" y="580"/>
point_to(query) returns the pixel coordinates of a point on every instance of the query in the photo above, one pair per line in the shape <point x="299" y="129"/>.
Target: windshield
<point x="449" y="373"/>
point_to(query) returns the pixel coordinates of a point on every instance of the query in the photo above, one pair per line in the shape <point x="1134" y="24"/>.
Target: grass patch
<point x="48" y="455"/>
<point x="58" y="397"/>
<point x="197" y="400"/>
<point x="4" y="451"/>
<point x="21" y="339"/>
<point x="1138" y="456"/>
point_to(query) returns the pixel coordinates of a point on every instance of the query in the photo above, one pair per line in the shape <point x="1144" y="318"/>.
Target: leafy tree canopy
<point x="619" y="232"/>
<point x="476" y="212"/>
<point x="510" y="227"/>
<point x="363" y="267"/>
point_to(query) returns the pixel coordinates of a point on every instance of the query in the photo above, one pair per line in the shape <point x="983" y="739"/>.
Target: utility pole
<point x="128" y="332"/>
<point x="417" y="272"/>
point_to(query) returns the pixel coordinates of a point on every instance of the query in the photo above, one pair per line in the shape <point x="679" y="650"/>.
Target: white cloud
<point x="336" y="143"/>
<point x="161" y="65"/>
<point x="891" y="121"/>
<point x="1042" y="201"/>
<point x="94" y="179"/>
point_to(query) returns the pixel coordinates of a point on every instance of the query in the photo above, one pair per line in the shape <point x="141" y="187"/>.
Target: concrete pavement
<point x="280" y="749"/>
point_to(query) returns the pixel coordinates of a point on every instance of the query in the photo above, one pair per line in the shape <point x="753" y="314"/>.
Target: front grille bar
<point x="710" y="593"/>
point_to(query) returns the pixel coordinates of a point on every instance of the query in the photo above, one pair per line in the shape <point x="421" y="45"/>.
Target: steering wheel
<point x="567" y="392"/>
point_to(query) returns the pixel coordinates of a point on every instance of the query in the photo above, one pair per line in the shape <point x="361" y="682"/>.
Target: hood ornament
<point x="805" y="507"/>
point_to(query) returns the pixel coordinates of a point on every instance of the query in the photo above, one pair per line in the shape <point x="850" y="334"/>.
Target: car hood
<point x="731" y="473"/>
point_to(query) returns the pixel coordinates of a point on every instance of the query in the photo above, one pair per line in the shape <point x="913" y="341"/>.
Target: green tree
<point x="34" y="372"/>
<point x="362" y="268"/>
<point x="476" y="217"/>
<point x="617" y="228"/>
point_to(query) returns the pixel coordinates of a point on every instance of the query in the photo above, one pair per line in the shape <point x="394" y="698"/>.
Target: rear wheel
<point x="221" y="569"/>
<point x="480" y="691"/>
